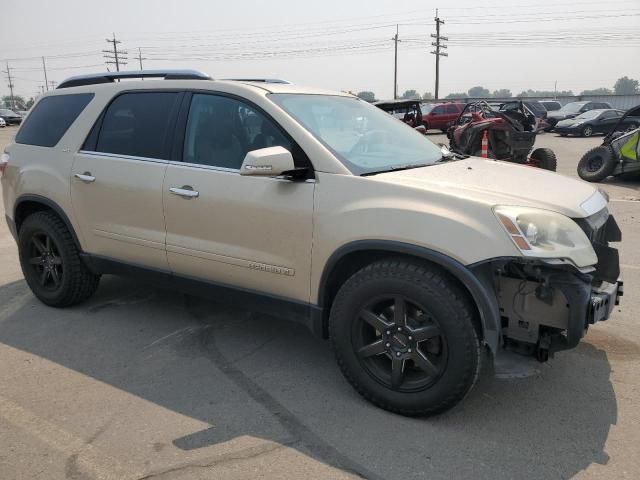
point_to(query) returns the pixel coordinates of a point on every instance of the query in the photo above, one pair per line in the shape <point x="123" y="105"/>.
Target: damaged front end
<point x="547" y="305"/>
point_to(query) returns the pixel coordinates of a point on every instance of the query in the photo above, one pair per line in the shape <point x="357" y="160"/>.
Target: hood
<point x="569" y="122"/>
<point x="502" y="183"/>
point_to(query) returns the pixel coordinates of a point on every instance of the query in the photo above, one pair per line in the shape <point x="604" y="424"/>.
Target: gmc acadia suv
<point x="314" y="206"/>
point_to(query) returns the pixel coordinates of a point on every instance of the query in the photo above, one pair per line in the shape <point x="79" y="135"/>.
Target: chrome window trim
<point x="205" y="167"/>
<point x="122" y="156"/>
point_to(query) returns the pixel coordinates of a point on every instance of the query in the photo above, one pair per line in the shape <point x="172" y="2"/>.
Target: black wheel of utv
<point x="545" y="158"/>
<point x="597" y="164"/>
<point x="51" y="262"/>
<point x="587" y="131"/>
<point x="403" y="334"/>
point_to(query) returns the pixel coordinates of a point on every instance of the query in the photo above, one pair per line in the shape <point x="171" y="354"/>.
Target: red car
<point x="441" y="116"/>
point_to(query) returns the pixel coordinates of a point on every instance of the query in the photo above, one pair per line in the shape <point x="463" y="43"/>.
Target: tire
<point x="68" y="281"/>
<point x="453" y="355"/>
<point x="545" y="158"/>
<point x="597" y="164"/>
<point x="587" y="131"/>
<point x="564" y="134"/>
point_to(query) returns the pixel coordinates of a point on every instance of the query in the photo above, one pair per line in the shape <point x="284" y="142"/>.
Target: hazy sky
<point x="515" y="44"/>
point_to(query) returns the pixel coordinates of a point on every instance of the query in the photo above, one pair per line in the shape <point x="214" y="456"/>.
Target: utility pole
<point x="437" y="51"/>
<point x="44" y="69"/>
<point x="10" y="85"/>
<point x="140" y="58"/>
<point x="395" y="65"/>
<point x="115" y="56"/>
<point x="52" y="84"/>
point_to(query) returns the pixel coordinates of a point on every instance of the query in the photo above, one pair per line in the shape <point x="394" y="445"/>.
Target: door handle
<point x="186" y="191"/>
<point x="86" y="177"/>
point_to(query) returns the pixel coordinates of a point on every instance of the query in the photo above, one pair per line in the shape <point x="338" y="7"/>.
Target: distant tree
<point x="479" y="92"/>
<point x="502" y="93"/>
<point x="457" y="95"/>
<point x="367" y="96"/>
<point x="626" y="86"/>
<point x="597" y="91"/>
<point x="427" y="96"/>
<point x="545" y="93"/>
<point x="410" y="94"/>
<point x="29" y="103"/>
<point x="17" y="99"/>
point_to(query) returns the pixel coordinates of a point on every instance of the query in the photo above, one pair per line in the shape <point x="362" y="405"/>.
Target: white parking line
<point x="87" y="457"/>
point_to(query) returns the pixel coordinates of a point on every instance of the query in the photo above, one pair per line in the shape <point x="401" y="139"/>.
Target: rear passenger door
<point x="116" y="179"/>
<point x="244" y="231"/>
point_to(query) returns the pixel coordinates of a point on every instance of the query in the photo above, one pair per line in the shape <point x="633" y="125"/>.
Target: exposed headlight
<point x="546" y="234"/>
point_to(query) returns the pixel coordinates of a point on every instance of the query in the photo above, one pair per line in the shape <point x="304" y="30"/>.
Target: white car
<point x="2" y="123"/>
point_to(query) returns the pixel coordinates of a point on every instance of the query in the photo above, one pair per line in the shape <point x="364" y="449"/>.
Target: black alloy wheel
<point x="46" y="261"/>
<point x="400" y="344"/>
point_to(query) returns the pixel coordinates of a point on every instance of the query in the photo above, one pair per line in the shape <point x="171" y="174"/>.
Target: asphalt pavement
<point x="139" y="383"/>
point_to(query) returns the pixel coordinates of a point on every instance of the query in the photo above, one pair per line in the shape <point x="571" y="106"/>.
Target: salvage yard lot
<point x="144" y="383"/>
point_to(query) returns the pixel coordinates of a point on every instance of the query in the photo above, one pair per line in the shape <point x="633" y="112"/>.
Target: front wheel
<point x="587" y="131"/>
<point x="403" y="335"/>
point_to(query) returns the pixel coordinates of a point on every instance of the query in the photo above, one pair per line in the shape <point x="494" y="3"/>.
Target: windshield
<point x="4" y="111"/>
<point x="590" y="115"/>
<point x="573" y="107"/>
<point x="363" y="137"/>
<point x="427" y="107"/>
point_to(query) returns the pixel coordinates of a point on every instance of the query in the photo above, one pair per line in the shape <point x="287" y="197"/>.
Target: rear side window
<point x="51" y="118"/>
<point x="137" y="124"/>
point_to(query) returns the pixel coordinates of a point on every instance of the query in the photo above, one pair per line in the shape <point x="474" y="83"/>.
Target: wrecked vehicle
<point x="508" y="133"/>
<point x="408" y="111"/>
<point x="619" y="153"/>
<point x="312" y="206"/>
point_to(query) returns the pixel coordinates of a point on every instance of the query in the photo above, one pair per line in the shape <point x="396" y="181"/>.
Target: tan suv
<point x="314" y="206"/>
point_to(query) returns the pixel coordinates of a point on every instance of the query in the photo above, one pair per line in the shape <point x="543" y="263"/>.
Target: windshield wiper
<point x="397" y="168"/>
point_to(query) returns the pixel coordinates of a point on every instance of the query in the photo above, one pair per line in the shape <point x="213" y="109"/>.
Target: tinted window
<point x="51" y="118"/>
<point x="609" y="114"/>
<point x="221" y="130"/>
<point x="439" y="110"/>
<point x="137" y="124"/>
<point x="451" y="109"/>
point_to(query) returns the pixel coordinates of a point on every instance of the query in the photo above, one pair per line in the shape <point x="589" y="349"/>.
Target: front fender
<point x="477" y="282"/>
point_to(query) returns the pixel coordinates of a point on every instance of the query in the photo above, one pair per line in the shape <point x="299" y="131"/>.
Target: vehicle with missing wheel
<point x="313" y="206"/>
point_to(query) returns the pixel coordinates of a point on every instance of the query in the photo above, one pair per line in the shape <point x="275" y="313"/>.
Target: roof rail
<point x="110" y="77"/>
<point x="260" y="80"/>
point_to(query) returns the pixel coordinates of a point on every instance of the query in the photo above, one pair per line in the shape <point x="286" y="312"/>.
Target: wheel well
<point x="27" y="208"/>
<point x="352" y="262"/>
<point x="30" y="204"/>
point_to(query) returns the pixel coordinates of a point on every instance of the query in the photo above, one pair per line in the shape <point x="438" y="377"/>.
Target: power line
<point x="395" y="64"/>
<point x="140" y="58"/>
<point x="10" y="85"/>
<point x="437" y="51"/>
<point x="118" y="56"/>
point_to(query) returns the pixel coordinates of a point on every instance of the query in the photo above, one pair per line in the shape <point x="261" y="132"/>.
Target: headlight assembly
<point x="546" y="234"/>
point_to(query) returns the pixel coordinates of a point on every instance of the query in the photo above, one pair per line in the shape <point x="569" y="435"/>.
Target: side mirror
<point x="267" y="162"/>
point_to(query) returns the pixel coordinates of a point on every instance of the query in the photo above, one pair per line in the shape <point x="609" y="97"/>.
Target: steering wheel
<point x="368" y="140"/>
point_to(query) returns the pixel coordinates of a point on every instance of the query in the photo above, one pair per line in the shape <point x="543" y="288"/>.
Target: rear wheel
<point x="51" y="262"/>
<point x="597" y="164"/>
<point x="587" y="131"/>
<point x="404" y="337"/>
<point x="544" y="158"/>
